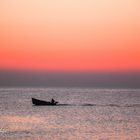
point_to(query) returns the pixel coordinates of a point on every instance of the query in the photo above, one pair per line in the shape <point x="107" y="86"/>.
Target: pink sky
<point x="70" y="34"/>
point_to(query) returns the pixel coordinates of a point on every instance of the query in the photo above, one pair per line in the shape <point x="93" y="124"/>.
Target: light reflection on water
<point x="102" y="121"/>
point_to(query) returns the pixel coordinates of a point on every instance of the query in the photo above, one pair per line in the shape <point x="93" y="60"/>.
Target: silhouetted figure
<point x="52" y="101"/>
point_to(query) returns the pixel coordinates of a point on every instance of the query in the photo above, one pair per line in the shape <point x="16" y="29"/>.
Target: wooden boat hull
<point x="41" y="102"/>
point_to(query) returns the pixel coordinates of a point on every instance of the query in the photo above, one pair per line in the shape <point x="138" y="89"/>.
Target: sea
<point x="82" y="114"/>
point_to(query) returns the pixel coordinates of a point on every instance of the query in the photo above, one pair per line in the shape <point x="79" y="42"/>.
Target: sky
<point x="16" y="78"/>
<point x="70" y="35"/>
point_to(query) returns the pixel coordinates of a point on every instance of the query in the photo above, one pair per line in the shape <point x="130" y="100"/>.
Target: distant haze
<point x="70" y="79"/>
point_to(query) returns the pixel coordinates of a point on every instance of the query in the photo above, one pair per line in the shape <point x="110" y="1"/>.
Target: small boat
<point x="41" y="102"/>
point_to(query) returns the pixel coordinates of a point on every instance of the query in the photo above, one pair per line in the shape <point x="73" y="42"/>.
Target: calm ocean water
<point x="83" y="114"/>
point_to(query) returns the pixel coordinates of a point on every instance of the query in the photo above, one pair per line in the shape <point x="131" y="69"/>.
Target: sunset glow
<point x="70" y="34"/>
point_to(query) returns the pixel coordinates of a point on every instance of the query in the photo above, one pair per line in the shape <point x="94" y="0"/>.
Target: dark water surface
<point x="83" y="114"/>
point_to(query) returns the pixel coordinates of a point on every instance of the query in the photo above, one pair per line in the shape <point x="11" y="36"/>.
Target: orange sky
<point x="70" y="34"/>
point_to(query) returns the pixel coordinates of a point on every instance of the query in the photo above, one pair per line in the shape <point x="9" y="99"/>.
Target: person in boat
<point x="52" y="101"/>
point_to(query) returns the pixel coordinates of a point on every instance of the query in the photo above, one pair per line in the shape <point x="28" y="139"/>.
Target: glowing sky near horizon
<point x="70" y="34"/>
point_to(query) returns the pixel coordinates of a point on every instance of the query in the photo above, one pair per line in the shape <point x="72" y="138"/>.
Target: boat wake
<point x="99" y="105"/>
